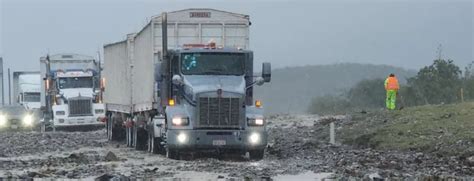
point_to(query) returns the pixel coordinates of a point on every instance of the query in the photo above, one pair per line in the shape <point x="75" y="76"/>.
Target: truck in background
<point x="195" y="96"/>
<point x="26" y="89"/>
<point x="71" y="95"/>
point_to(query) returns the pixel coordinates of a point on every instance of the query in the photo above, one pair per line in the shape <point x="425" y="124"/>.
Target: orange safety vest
<point x="391" y="83"/>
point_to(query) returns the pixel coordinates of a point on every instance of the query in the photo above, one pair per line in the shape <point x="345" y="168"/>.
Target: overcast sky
<point x="286" y="33"/>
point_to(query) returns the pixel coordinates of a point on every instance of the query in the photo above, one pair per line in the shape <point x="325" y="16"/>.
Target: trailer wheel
<point x="129" y="135"/>
<point x="109" y="129"/>
<point x="256" y="154"/>
<point x="139" y="138"/>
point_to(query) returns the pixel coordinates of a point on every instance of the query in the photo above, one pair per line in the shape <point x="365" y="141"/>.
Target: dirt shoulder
<point x="441" y="130"/>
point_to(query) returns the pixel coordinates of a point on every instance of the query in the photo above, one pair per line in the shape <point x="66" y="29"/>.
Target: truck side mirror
<point x="177" y="80"/>
<point x="266" y="71"/>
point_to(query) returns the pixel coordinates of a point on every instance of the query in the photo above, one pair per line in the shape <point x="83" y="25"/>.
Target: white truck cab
<point x="72" y="93"/>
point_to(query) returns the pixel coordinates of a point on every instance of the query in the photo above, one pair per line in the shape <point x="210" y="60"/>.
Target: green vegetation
<point x="441" y="129"/>
<point x="439" y="83"/>
<point x="292" y="88"/>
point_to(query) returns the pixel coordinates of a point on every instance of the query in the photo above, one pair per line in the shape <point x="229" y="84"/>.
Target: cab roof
<point x="212" y="50"/>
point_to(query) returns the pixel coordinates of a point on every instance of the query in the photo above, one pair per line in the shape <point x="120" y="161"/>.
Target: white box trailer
<point x="132" y="61"/>
<point x="26" y="89"/>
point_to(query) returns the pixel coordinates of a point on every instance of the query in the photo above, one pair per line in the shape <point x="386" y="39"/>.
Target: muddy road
<point x="298" y="148"/>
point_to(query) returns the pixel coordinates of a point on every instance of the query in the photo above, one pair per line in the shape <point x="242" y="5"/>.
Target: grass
<point x="442" y="129"/>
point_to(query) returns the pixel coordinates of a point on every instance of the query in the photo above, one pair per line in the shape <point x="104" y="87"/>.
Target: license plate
<point x="14" y="126"/>
<point x="218" y="142"/>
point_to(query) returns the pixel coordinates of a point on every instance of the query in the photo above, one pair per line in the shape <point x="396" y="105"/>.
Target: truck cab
<point x="27" y="89"/>
<point x="72" y="93"/>
<point x="76" y="101"/>
<point x="213" y="105"/>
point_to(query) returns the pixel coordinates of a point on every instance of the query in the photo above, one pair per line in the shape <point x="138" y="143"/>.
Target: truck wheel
<point x="109" y="130"/>
<point x="256" y="154"/>
<point x="156" y="146"/>
<point x="140" y="138"/>
<point x="172" y="154"/>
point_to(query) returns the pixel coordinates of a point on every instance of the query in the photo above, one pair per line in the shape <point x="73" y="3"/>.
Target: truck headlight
<point x="254" y="138"/>
<point x="182" y="138"/>
<point x="179" y="121"/>
<point x="3" y="120"/>
<point x="28" y="120"/>
<point x="60" y="113"/>
<point x="255" y="122"/>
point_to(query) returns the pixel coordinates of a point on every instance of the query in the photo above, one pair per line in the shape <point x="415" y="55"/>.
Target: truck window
<point x="212" y="63"/>
<point x="31" y="97"/>
<point x="75" y="82"/>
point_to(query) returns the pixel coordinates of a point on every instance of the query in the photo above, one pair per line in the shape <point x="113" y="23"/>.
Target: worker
<point x="392" y="87"/>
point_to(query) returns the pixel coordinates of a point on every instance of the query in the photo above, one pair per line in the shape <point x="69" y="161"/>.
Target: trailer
<point x="71" y="95"/>
<point x="196" y="95"/>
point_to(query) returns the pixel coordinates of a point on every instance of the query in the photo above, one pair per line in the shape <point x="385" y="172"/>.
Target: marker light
<point x="258" y="103"/>
<point x="171" y="102"/>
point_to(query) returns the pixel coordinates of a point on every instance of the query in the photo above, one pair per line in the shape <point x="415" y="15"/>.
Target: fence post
<point x="332" y="133"/>
<point x="462" y="95"/>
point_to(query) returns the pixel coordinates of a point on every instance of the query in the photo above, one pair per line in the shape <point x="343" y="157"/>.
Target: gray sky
<point x="286" y="33"/>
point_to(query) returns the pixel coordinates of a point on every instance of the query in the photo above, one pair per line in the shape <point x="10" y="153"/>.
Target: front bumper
<point x="216" y="140"/>
<point x="78" y="121"/>
<point x="17" y="124"/>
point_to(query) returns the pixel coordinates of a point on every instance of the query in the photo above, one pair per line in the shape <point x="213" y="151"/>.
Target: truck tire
<point x="256" y="154"/>
<point x="115" y="132"/>
<point x="172" y="154"/>
<point x="140" y="138"/>
<point x="109" y="129"/>
<point x="154" y="144"/>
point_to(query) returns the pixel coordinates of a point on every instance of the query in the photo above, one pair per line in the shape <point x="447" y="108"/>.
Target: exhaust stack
<point x="164" y="35"/>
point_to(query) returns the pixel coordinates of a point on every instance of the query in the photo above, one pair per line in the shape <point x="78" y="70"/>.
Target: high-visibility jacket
<point x="391" y="83"/>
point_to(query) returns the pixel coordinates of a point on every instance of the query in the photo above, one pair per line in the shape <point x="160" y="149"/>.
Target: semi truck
<point x="71" y="95"/>
<point x="26" y="89"/>
<point x="196" y="95"/>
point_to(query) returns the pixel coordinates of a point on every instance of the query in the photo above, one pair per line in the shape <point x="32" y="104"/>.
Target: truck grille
<point x="219" y="112"/>
<point x="80" y="107"/>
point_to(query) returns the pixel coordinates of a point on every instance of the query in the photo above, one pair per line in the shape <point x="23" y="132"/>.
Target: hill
<point x="441" y="129"/>
<point x="292" y="88"/>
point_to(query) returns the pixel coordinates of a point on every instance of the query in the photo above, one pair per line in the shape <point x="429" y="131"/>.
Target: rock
<point x="71" y="174"/>
<point x="220" y="177"/>
<point x="470" y="161"/>
<point x="60" y="172"/>
<point x="8" y="175"/>
<point x="78" y="158"/>
<point x="36" y="174"/>
<point x="111" y="157"/>
<point x="375" y="177"/>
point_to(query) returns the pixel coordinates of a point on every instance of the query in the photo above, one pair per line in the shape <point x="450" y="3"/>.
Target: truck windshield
<point x="31" y="97"/>
<point x="212" y="63"/>
<point x="75" y="82"/>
